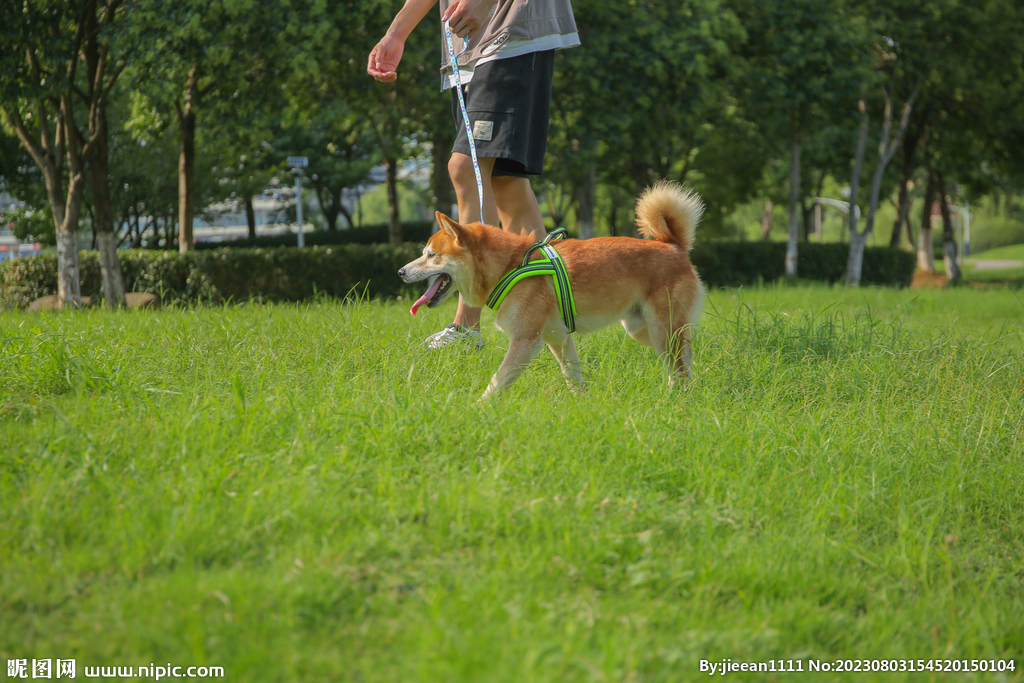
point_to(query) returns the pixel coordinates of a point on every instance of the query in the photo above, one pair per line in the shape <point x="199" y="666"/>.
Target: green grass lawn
<point x="301" y="493"/>
<point x="1013" y="252"/>
<point x="1010" y="277"/>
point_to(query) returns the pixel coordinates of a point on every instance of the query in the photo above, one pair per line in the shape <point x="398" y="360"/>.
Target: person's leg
<point x="511" y="198"/>
<point x="512" y="100"/>
<point x="518" y="207"/>
<point x="460" y="168"/>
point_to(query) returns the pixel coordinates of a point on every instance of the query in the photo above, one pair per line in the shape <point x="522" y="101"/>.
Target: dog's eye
<point x="431" y="254"/>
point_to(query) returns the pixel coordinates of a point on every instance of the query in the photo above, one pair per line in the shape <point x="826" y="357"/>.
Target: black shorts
<point x="509" y="102"/>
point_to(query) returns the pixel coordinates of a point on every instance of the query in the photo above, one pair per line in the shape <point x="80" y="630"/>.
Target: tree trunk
<point x="855" y="260"/>
<point x="103" y="215"/>
<point x="925" y="251"/>
<point x="344" y="212"/>
<point x="766" y="219"/>
<point x="68" y="273"/>
<point x="187" y="162"/>
<point x="169" y="231"/>
<point x="69" y="293"/>
<point x="92" y="224"/>
<point x="441" y="140"/>
<point x="331" y="205"/>
<point x="794" y="200"/>
<point x="858" y="162"/>
<point x="906" y="221"/>
<point x="250" y="217"/>
<point x="902" y="207"/>
<point x="807" y="218"/>
<point x="49" y="155"/>
<point x="557" y="204"/>
<point x="585" y="191"/>
<point x="886" y="151"/>
<point x="812" y="211"/>
<point x="948" y="238"/>
<point x="909" y="149"/>
<point x="330" y="215"/>
<point x="96" y="155"/>
<point x="394" y="225"/>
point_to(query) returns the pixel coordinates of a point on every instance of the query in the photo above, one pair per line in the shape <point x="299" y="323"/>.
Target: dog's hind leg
<point x="681" y="353"/>
<point x="687" y="299"/>
<point x="563" y="348"/>
<point x="641" y="335"/>
<point x="520" y="352"/>
<point x="636" y="326"/>
<point x="672" y="340"/>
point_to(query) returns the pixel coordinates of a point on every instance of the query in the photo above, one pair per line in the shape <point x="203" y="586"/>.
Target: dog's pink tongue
<point x="431" y="291"/>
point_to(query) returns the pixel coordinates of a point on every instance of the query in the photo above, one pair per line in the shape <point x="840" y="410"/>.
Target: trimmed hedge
<point x="732" y="264"/>
<point x="297" y="274"/>
<point x="224" y="275"/>
<point x="414" y="232"/>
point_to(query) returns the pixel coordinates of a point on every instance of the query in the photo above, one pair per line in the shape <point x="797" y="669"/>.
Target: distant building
<point x="7" y="200"/>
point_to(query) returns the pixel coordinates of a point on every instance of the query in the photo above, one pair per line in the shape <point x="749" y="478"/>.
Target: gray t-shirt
<point x="513" y="22"/>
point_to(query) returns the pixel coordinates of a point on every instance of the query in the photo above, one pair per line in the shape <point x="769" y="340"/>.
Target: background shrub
<point x="223" y="275"/>
<point x="733" y="264"/>
<point x="414" y="231"/>
<point x="994" y="232"/>
<point x="295" y="274"/>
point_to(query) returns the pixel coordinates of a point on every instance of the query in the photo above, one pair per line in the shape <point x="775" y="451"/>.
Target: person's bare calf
<point x="518" y="207"/>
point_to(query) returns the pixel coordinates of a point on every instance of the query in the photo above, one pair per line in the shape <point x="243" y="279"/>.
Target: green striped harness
<point x="550" y="263"/>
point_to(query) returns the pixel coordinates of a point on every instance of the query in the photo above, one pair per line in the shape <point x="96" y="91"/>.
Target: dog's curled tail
<point x="668" y="212"/>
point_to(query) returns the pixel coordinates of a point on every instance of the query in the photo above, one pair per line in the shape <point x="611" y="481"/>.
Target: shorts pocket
<point x="496" y="127"/>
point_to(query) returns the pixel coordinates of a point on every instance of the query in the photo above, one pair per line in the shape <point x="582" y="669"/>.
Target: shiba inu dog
<point x="648" y="285"/>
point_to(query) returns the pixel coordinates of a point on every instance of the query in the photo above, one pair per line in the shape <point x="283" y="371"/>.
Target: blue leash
<point x="453" y="58"/>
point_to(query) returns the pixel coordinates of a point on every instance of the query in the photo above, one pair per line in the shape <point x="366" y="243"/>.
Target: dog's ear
<point x="453" y="229"/>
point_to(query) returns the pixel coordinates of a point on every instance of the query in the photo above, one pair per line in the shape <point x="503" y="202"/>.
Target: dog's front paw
<point x="577" y="388"/>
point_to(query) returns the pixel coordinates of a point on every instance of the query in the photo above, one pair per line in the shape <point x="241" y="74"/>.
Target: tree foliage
<point x="742" y="100"/>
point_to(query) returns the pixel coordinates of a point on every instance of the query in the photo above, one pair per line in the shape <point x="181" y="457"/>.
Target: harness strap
<point x="550" y="263"/>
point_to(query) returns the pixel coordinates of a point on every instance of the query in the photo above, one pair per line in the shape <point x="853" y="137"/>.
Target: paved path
<point x="995" y="264"/>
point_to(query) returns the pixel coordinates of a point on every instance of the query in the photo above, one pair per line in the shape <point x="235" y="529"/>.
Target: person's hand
<point x="384" y="58"/>
<point x="467" y="16"/>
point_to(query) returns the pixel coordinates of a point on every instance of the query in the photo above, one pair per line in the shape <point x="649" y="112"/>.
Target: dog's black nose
<point x="401" y="273"/>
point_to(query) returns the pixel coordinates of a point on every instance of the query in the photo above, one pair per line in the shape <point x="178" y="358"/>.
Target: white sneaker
<point x="454" y="334"/>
